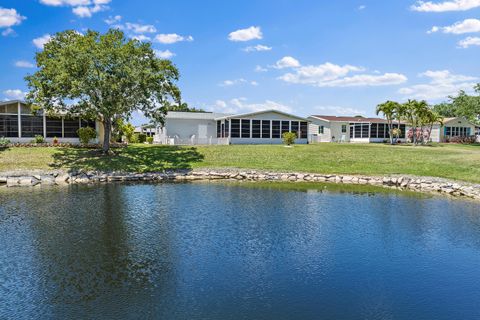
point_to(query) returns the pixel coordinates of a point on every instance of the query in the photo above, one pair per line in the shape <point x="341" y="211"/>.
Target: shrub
<point x="289" y="138"/>
<point x="55" y="140"/>
<point x="39" y="139"/>
<point x="4" y="142"/>
<point x="134" y="138"/>
<point x="150" y="140"/>
<point x="86" y="134"/>
<point x="128" y="131"/>
<point x="142" y="138"/>
<point x="463" y="140"/>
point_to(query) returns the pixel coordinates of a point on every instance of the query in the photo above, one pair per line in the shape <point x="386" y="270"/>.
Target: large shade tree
<point x="104" y="77"/>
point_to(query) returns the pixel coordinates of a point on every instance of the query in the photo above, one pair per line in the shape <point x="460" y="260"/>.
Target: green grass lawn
<point x="460" y="162"/>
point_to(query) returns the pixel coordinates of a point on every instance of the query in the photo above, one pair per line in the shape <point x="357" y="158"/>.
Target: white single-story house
<point x="262" y="127"/>
<point x="370" y="130"/>
<point x="350" y="129"/>
<point x="20" y="125"/>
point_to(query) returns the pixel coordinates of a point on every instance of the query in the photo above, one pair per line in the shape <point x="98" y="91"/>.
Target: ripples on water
<point x="215" y="251"/>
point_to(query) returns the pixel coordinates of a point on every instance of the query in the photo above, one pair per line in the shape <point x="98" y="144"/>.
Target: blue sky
<point x="305" y="57"/>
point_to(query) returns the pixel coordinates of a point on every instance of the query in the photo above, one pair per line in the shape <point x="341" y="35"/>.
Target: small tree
<point x="128" y="132"/>
<point x="86" y="134"/>
<point x="104" y="77"/>
<point x="389" y="110"/>
<point x="289" y="138"/>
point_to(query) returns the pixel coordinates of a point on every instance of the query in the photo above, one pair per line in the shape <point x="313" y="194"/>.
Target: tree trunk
<point x="107" y="127"/>
<point x="390" y="128"/>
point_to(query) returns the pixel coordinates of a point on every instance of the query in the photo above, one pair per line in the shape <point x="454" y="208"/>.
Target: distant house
<point x="371" y="130"/>
<point x="453" y="127"/>
<point x="262" y="127"/>
<point x="350" y="129"/>
<point x="18" y="123"/>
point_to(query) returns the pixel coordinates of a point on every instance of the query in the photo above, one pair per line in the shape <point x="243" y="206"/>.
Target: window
<point x="344" y="128"/>
<point x="303" y="130"/>
<point x="275" y="129"/>
<point x="235" y="128"/>
<point x="32" y="126"/>
<point x="70" y="128"/>
<point x="374" y="130"/>
<point x="448" y="131"/>
<point x="227" y="128"/>
<point x="403" y="128"/>
<point x="296" y="127"/>
<point x="54" y="127"/>
<point x="88" y="123"/>
<point x="219" y="129"/>
<point x="8" y="126"/>
<point x="352" y="128"/>
<point x="256" y="128"/>
<point x="266" y="129"/>
<point x="321" y="129"/>
<point x="245" y="128"/>
<point x="285" y="126"/>
<point x="365" y="130"/>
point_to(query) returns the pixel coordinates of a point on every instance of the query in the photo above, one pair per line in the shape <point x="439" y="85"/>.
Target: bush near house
<point x="463" y="140"/>
<point x="289" y="138"/>
<point x="142" y="138"/>
<point x="150" y="140"/>
<point x="86" y="134"/>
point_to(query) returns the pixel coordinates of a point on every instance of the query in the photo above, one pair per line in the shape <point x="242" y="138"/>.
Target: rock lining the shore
<point x="420" y="184"/>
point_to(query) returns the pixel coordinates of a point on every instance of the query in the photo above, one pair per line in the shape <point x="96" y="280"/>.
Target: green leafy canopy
<point x="102" y="76"/>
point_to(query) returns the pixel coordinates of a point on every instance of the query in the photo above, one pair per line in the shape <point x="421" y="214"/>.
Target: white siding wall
<point x="314" y="127"/>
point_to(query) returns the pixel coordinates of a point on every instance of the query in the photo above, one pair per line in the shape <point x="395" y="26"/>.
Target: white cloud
<point x="441" y="84"/>
<point x="451" y="5"/>
<point x="248" y="34"/>
<point x="81" y="8"/>
<point x="257" y="48"/>
<point x="171" y="38"/>
<point x="8" y="19"/>
<point x="167" y="54"/>
<point x="8" y="32"/>
<point x="229" y="83"/>
<point x="87" y="12"/>
<point x="113" y="20"/>
<point x="468" y="42"/>
<point x="15" y="94"/>
<point x="141" y="37"/>
<point x="140" y="28"/>
<point x="241" y="105"/>
<point x="362" y="7"/>
<point x="287" y="62"/>
<point x="332" y="75"/>
<point x="41" y="41"/>
<point x="24" y="64"/>
<point x="260" y="69"/>
<point x="338" y="111"/>
<point x="461" y="27"/>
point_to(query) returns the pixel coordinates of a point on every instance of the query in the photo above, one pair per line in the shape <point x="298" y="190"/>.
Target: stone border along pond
<point x="420" y="184"/>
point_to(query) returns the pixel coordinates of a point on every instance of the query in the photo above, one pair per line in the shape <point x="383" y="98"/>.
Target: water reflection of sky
<point x="228" y="251"/>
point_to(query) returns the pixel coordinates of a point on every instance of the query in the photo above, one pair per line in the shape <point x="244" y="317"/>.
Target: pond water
<point x="229" y="251"/>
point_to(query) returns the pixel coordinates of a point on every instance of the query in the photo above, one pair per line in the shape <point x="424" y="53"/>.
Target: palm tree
<point x="414" y="113"/>
<point x="389" y="110"/>
<point x="431" y="118"/>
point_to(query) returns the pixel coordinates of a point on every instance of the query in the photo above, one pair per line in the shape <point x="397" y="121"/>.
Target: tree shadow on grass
<point x="139" y="159"/>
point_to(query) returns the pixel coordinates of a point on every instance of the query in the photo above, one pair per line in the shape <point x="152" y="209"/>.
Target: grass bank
<point x="458" y="162"/>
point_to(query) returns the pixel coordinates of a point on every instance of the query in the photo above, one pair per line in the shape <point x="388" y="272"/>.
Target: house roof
<point x="250" y="114"/>
<point x="349" y="119"/>
<point x="194" y="115"/>
<point x="2" y="103"/>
